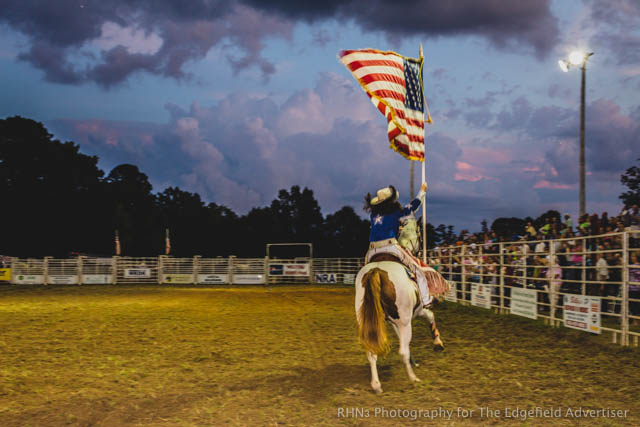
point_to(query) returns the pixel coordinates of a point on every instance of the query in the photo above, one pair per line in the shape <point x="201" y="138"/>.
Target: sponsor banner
<point x="96" y="279"/>
<point x="276" y="269"/>
<point x="481" y="295"/>
<point x="63" y="279"/>
<point x="582" y="312"/>
<point x="349" y="278"/>
<point x="178" y="278"/>
<point x="248" y="279"/>
<point x="213" y="279"/>
<point x="29" y="279"/>
<point x="103" y="261"/>
<point x="326" y="278"/>
<point x="524" y="302"/>
<point x="296" y="270"/>
<point x="452" y="294"/>
<point x="5" y="274"/>
<point x="137" y="272"/>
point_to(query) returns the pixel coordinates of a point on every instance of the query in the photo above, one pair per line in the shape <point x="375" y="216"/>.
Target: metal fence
<point x="590" y="283"/>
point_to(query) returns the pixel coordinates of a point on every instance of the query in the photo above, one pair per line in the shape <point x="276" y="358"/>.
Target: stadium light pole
<point x="579" y="59"/>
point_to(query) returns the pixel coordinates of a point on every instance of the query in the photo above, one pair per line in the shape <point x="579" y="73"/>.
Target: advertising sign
<point x="481" y="295"/>
<point x="349" y="278"/>
<point x="63" y="279"/>
<point x="96" y="279"/>
<point x="452" y="294"/>
<point x="326" y="278"/>
<point x="5" y="274"/>
<point x="523" y="302"/>
<point x="276" y="269"/>
<point x="137" y="272"/>
<point x="178" y="278"/>
<point x="213" y="279"/>
<point x="582" y="312"/>
<point x="296" y="270"/>
<point x="29" y="279"/>
<point x="248" y="279"/>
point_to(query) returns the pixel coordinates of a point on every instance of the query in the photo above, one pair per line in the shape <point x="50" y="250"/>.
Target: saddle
<point x="390" y="257"/>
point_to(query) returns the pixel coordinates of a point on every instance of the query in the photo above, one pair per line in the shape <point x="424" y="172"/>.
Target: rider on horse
<point x="386" y="215"/>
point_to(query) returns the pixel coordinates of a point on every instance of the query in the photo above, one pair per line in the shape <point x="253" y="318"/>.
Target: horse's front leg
<point x="404" y="334"/>
<point x="438" y="345"/>
<point x="375" y="381"/>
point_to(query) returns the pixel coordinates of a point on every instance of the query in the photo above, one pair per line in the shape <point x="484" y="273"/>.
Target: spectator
<point x="568" y="225"/>
<point x="530" y="229"/>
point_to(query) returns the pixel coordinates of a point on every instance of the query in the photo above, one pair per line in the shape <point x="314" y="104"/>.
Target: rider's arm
<point x="415" y="203"/>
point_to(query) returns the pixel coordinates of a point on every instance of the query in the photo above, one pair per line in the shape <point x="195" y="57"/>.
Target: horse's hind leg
<point x="404" y="334"/>
<point x="375" y="381"/>
<point x="438" y="345"/>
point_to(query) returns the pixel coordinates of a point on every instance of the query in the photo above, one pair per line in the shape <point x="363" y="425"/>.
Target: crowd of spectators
<point x="556" y="257"/>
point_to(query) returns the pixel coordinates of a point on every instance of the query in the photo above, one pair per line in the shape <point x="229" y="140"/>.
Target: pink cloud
<point x="551" y="185"/>
<point x="463" y="166"/>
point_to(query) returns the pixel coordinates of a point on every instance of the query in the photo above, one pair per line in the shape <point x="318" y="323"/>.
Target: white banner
<point x="248" y="279"/>
<point x="63" y="279"/>
<point x="326" y="278"/>
<point x="452" y="295"/>
<point x="582" y="312"/>
<point x="349" y="278"/>
<point x="213" y="279"/>
<point x="481" y="295"/>
<point x="96" y="279"/>
<point x="296" y="270"/>
<point x="178" y="278"/>
<point x="29" y="279"/>
<point x="524" y="302"/>
<point x="137" y="272"/>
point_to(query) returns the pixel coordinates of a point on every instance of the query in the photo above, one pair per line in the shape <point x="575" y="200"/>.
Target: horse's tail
<point x="372" y="331"/>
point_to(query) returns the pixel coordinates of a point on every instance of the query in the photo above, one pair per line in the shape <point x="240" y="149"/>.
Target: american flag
<point x="394" y="85"/>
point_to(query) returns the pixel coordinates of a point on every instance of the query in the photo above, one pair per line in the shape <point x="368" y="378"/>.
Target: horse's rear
<point x="384" y="292"/>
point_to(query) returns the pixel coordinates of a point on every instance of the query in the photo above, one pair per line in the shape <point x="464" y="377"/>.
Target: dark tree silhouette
<point x="631" y="179"/>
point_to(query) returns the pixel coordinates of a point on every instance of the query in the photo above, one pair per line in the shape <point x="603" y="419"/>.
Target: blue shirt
<point x="386" y="226"/>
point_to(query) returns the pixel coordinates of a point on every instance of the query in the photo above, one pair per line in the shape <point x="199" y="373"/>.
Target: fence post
<point x="624" y="311"/>
<point x="463" y="272"/>
<point x="230" y="268"/>
<point x="583" y="275"/>
<point x="196" y="268"/>
<point x="79" y="267"/>
<point x="501" y="266"/>
<point x="46" y="270"/>
<point x="266" y="270"/>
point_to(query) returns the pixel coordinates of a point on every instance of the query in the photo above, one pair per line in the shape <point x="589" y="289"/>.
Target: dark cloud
<point x="188" y="30"/>
<point x="185" y="31"/>
<point x="505" y="24"/>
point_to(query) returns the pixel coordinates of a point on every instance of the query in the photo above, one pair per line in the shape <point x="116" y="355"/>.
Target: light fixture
<point x="564" y="65"/>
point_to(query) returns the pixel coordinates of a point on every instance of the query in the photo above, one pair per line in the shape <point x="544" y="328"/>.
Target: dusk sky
<point x="236" y="99"/>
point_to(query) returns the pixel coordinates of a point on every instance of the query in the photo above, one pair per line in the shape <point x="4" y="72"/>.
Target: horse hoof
<point x="438" y="347"/>
<point x="415" y="380"/>
<point x="377" y="390"/>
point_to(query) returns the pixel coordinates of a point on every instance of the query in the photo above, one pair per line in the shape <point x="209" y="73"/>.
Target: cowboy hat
<point x="385" y="194"/>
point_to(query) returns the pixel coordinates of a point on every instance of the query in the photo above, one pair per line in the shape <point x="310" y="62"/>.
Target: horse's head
<point x="408" y="236"/>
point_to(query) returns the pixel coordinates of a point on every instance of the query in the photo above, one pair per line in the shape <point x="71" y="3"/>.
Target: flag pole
<point x="424" y="204"/>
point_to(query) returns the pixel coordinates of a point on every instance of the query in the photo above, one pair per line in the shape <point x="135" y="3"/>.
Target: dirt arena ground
<point x="186" y="356"/>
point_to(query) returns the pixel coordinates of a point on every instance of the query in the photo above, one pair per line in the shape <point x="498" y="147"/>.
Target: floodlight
<point x="577" y="58"/>
<point x="564" y="65"/>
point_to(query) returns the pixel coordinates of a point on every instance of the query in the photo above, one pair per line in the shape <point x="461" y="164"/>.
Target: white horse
<point x="384" y="292"/>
